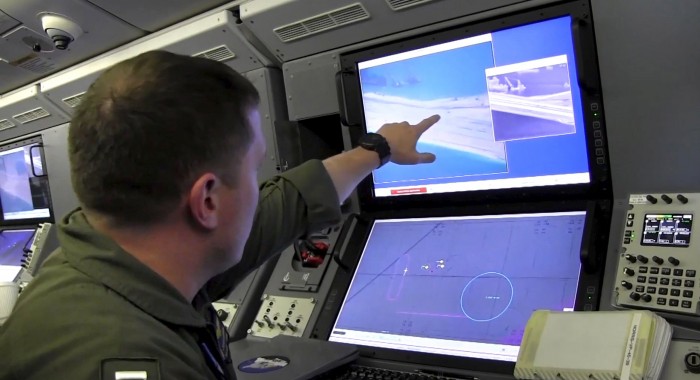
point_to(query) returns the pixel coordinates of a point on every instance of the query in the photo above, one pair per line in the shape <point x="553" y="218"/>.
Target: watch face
<point x="372" y="138"/>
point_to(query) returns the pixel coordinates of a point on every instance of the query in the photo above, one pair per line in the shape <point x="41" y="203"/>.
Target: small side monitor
<point x="24" y="186"/>
<point x="12" y="246"/>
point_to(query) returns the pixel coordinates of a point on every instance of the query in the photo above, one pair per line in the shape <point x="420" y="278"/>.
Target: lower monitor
<point x="460" y="286"/>
<point x="12" y="245"/>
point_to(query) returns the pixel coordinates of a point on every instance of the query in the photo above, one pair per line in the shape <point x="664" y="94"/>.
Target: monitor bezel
<point x="599" y="186"/>
<point x="37" y="140"/>
<point x="587" y="296"/>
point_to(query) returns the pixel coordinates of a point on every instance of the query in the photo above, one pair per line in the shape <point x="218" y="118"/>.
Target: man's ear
<point x="204" y="202"/>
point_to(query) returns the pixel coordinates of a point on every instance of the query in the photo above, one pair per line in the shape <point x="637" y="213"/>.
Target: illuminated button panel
<point x="659" y="258"/>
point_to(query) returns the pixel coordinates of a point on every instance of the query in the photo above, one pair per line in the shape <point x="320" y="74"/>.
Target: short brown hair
<point x="149" y="126"/>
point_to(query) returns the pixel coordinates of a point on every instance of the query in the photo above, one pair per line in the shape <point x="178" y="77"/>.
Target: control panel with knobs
<point x="282" y="316"/>
<point x="659" y="262"/>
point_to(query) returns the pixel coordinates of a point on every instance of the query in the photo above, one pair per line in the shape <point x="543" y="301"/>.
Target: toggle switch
<point x="269" y="322"/>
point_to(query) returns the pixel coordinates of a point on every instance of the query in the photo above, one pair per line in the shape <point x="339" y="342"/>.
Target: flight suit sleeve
<point x="299" y="201"/>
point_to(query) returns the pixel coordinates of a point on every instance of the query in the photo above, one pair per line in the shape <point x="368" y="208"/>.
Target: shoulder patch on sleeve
<point x="130" y="369"/>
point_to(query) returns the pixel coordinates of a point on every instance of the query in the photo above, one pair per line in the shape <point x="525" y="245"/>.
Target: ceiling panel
<point x="153" y="15"/>
<point x="214" y="36"/>
<point x="291" y="31"/>
<point x="6" y="22"/>
<point x="20" y="64"/>
<point x="27" y="110"/>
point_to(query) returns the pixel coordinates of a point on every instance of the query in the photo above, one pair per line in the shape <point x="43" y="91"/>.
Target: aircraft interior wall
<point x="648" y="59"/>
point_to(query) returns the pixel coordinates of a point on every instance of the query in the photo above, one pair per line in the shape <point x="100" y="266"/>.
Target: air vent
<point x="32" y="115"/>
<point x="397" y="5"/>
<point x="38" y="65"/>
<point x="321" y="23"/>
<point x="73" y="101"/>
<point x="6" y="124"/>
<point x="221" y="53"/>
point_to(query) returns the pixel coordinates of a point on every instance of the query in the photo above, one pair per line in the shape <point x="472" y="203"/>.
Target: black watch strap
<point x="377" y="143"/>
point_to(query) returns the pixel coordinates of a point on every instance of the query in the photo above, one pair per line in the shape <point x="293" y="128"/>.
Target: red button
<point x="411" y="190"/>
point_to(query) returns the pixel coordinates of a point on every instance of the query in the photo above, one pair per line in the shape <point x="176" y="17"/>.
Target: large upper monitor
<point x="463" y="286"/>
<point x="518" y="110"/>
<point x="24" y="186"/>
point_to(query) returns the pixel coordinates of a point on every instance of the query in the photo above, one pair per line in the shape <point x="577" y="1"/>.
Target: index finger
<point x="427" y="123"/>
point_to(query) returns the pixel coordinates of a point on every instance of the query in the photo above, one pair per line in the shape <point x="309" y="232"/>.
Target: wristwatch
<point x="377" y="143"/>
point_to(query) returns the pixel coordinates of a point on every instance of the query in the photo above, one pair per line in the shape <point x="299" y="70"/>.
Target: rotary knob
<point x="652" y="199"/>
<point x="631" y="258"/>
<point x="674" y="261"/>
<point x="692" y="362"/>
<point x="628" y="271"/>
<point x="635" y="296"/>
<point x="642" y="259"/>
<point x="223" y="314"/>
<point x="666" y="198"/>
<point x="627" y="285"/>
<point x="646" y="298"/>
<point x="657" y="260"/>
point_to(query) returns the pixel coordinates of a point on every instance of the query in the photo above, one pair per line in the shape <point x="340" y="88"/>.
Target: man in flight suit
<point x="164" y="152"/>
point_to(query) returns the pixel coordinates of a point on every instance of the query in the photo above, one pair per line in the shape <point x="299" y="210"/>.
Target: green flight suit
<point x="95" y="310"/>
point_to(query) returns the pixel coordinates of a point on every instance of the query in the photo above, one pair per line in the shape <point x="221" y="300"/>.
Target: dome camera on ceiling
<point x="62" y="30"/>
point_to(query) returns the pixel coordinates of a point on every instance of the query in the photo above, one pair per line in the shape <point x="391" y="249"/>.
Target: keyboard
<point x="354" y="371"/>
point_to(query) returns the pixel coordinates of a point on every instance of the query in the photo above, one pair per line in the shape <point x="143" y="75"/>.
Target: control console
<point x="34" y="256"/>
<point x="659" y="263"/>
<point x="682" y="361"/>
<point x="282" y="316"/>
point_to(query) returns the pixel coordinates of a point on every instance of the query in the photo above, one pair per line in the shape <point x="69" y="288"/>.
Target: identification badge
<point x="130" y="369"/>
